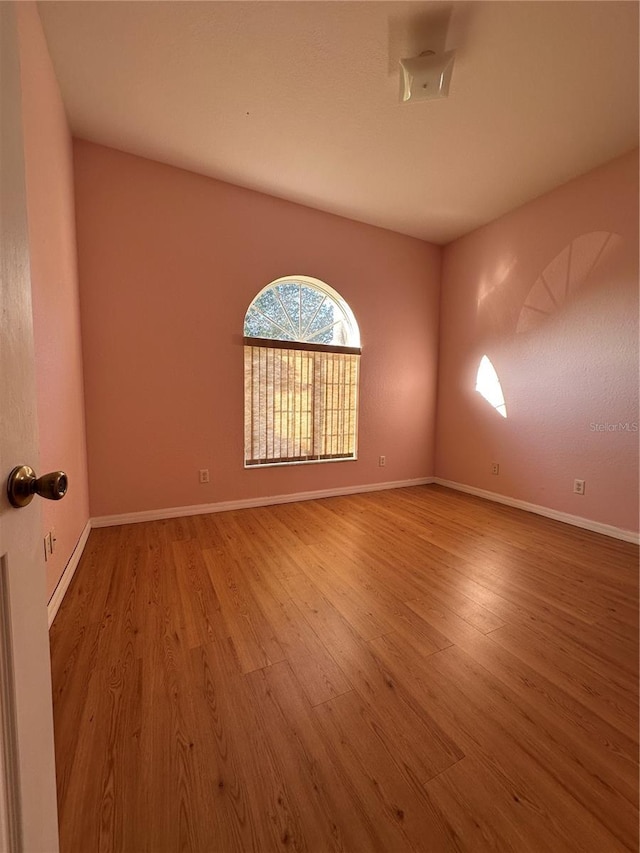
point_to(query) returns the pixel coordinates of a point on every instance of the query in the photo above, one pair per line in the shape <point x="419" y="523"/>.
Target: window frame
<point x="352" y="349"/>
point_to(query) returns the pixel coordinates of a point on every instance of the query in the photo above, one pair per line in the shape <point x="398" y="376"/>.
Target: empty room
<point x="319" y="426"/>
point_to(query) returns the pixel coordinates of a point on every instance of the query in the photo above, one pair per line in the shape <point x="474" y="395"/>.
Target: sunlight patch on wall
<point x="490" y="284"/>
<point x="488" y="385"/>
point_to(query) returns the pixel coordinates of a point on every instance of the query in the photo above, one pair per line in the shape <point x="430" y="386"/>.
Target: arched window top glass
<point x="304" y="309"/>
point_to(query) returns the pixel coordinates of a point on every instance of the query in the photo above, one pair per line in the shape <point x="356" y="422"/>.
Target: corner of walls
<point x="55" y="297"/>
<point x="439" y="345"/>
<point x="549" y="292"/>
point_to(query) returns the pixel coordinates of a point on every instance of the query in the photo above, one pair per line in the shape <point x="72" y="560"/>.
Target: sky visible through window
<point x="295" y="311"/>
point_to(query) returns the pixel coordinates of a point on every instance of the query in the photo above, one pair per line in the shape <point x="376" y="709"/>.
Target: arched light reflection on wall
<point x="566" y="273"/>
<point x="488" y="384"/>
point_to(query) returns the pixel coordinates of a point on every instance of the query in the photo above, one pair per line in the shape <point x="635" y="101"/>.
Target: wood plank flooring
<point x="410" y="670"/>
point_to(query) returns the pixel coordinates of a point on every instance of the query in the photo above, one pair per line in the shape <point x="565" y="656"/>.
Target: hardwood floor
<point x="411" y="670"/>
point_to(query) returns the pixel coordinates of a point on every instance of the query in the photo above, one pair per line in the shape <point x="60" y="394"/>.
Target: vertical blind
<point x="301" y="401"/>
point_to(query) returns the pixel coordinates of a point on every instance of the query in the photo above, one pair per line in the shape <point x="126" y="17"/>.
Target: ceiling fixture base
<point x="426" y="77"/>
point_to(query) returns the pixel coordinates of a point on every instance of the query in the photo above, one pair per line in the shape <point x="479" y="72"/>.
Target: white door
<point x="28" y="816"/>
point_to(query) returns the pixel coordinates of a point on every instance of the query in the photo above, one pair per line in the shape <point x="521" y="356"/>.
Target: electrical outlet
<point x="49" y="544"/>
<point x="204" y="475"/>
<point x="495" y="468"/>
<point x="578" y="487"/>
<point x="382" y="461"/>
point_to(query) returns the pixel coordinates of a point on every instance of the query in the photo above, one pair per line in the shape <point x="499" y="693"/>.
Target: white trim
<point x="567" y="518"/>
<point x="246" y="503"/>
<point x="224" y="506"/>
<point x="63" y="584"/>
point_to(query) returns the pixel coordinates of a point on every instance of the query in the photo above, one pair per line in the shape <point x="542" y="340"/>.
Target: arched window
<point x="301" y="361"/>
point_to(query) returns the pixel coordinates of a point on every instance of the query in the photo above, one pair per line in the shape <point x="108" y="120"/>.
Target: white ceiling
<point x="300" y="99"/>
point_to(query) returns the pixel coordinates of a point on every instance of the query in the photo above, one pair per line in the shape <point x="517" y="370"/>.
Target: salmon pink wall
<point x="56" y="319"/>
<point x="550" y="293"/>
<point x="169" y="262"/>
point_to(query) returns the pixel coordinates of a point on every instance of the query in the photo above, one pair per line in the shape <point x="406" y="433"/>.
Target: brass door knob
<point x="23" y="484"/>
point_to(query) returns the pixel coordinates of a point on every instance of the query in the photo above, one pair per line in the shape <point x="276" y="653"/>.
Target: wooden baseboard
<point x="224" y="506"/>
<point x="567" y="518"/>
<point x="63" y="584"/>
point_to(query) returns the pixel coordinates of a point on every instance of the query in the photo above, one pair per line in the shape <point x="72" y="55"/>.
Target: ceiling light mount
<point x="426" y="77"/>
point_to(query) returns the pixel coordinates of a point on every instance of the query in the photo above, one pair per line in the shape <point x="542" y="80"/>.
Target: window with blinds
<point x="301" y="366"/>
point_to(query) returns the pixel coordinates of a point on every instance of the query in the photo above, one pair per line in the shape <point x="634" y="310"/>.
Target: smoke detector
<point x="426" y="77"/>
